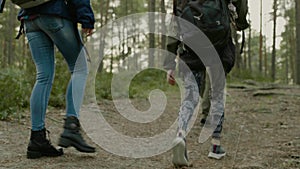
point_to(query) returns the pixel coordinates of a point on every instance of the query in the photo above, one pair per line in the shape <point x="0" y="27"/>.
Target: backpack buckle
<point x="198" y="17"/>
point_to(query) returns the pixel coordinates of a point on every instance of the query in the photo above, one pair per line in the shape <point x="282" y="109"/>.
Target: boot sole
<point x="34" y="154"/>
<point x="65" y="142"/>
<point x="37" y="154"/>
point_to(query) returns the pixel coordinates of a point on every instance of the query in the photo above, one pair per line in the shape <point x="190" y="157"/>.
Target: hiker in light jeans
<point x="205" y="93"/>
<point x="193" y="79"/>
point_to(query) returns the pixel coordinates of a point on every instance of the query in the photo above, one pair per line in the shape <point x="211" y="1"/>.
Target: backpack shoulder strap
<point x="2" y="5"/>
<point x="174" y="6"/>
<point x="183" y="4"/>
<point x="180" y="5"/>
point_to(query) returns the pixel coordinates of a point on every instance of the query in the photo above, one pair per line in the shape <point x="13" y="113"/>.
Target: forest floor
<point x="261" y="130"/>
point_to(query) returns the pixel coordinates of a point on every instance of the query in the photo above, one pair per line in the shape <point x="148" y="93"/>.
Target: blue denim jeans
<point x="43" y="34"/>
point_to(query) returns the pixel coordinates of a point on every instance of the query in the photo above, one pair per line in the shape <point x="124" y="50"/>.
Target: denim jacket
<point x="79" y="11"/>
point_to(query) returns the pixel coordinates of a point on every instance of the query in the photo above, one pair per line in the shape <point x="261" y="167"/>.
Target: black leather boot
<point x="71" y="136"/>
<point x="40" y="146"/>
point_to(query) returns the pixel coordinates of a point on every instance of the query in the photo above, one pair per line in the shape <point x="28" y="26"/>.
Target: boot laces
<point x="48" y="137"/>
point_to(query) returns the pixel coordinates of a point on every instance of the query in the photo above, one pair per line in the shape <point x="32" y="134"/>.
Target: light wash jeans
<point x="43" y="33"/>
<point x="191" y="99"/>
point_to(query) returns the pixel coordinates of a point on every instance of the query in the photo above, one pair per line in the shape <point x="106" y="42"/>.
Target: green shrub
<point x="237" y="76"/>
<point x="15" y="91"/>
<point x="103" y="85"/>
<point x="146" y="81"/>
<point x="16" y="86"/>
<point x="140" y="87"/>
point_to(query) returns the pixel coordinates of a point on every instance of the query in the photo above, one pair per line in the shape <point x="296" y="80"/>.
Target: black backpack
<point x="210" y="16"/>
<point x="240" y="22"/>
<point x="29" y="3"/>
<point x="239" y="12"/>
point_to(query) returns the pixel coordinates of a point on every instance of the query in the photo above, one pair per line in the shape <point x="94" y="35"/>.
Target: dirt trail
<point x="260" y="131"/>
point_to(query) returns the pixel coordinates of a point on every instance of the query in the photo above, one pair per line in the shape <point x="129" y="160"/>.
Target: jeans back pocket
<point x="51" y="23"/>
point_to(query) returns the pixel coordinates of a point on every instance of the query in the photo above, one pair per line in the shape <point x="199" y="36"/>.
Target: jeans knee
<point x="45" y="78"/>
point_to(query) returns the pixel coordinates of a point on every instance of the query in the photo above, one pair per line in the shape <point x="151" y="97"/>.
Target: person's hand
<point x="87" y="31"/>
<point x="170" y="77"/>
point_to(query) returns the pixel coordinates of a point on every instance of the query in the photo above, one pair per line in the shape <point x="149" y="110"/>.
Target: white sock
<point x="181" y="133"/>
<point x="215" y="141"/>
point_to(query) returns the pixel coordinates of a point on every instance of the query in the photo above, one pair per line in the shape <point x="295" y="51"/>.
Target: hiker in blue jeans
<point x="46" y="26"/>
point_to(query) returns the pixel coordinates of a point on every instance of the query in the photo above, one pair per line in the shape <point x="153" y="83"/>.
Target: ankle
<point x="181" y="133"/>
<point x="216" y="141"/>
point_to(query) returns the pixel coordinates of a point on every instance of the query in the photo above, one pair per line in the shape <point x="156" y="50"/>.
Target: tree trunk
<point x="11" y="23"/>
<point x="164" y="29"/>
<point x="245" y="59"/>
<point x="237" y="50"/>
<point x="163" y="24"/>
<point x="287" y="68"/>
<point x="249" y="50"/>
<point x="265" y="57"/>
<point x="297" y="62"/>
<point x="96" y="63"/>
<point x="151" y="4"/>
<point x="260" y="40"/>
<point x="273" y="72"/>
<point x="292" y="54"/>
